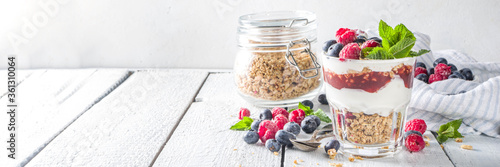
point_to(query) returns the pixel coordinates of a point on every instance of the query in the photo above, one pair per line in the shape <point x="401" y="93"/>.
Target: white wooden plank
<point x="203" y="138"/>
<point x="127" y="127"/>
<point x="49" y="102"/>
<point x="21" y="75"/>
<point x="485" y="151"/>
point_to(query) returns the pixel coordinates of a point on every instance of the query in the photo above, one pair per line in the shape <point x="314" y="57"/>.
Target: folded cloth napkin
<point x="477" y="101"/>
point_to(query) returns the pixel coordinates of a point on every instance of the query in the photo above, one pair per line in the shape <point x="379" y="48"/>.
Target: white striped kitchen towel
<point x="477" y="101"/>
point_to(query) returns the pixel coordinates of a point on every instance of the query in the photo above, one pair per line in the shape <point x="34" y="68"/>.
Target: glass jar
<point x="368" y="99"/>
<point x="275" y="64"/>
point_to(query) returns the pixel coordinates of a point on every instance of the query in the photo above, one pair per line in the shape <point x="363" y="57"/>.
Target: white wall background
<point x="202" y="34"/>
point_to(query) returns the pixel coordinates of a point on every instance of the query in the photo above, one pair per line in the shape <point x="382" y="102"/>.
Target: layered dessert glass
<point x="368" y="99"/>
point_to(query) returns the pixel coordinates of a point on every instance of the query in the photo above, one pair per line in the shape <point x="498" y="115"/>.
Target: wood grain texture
<point x="127" y="127"/>
<point x="485" y="151"/>
<point x="49" y="101"/>
<point x="21" y="75"/>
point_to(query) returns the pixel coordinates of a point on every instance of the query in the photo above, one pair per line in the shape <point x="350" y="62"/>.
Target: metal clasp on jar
<point x="307" y="50"/>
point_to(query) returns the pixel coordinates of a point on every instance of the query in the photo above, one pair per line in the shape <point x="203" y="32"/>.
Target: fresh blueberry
<point x="440" y="60"/>
<point x="322" y="99"/>
<point x="332" y="144"/>
<point x="273" y="145"/>
<point x="376" y="39"/>
<point x="423" y="77"/>
<point x="431" y="71"/>
<point x="453" y="67"/>
<point x="407" y="133"/>
<point x="266" y="115"/>
<point x="292" y="127"/>
<point x="327" y="44"/>
<point x="308" y="103"/>
<point x="255" y="125"/>
<point x="456" y="74"/>
<point x="316" y="119"/>
<point x="360" y="39"/>
<point x="420" y="64"/>
<point x="251" y="137"/>
<point x="309" y="124"/>
<point x="334" y="50"/>
<point x="467" y="73"/>
<point x="283" y="137"/>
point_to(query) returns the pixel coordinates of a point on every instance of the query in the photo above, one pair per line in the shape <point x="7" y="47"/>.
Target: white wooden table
<point x="167" y="117"/>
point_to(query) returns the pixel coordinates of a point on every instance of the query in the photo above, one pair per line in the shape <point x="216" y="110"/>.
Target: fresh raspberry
<point x="297" y="116"/>
<point x="443" y="70"/>
<point x="434" y="78"/>
<point x="416" y="125"/>
<point x="278" y="110"/>
<point x="244" y="112"/>
<point x="420" y="70"/>
<point x="414" y="143"/>
<point x="267" y="130"/>
<point x="280" y="121"/>
<point x="345" y="36"/>
<point x="350" y="51"/>
<point x="369" y="44"/>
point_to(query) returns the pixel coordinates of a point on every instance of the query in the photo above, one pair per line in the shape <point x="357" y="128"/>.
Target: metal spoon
<point x="313" y="143"/>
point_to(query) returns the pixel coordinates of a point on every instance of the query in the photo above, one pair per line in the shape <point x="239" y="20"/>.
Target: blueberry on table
<point x="360" y="39"/>
<point x="420" y="64"/>
<point x="456" y="74"/>
<point x="334" y="50"/>
<point x="453" y="67"/>
<point x="308" y="103"/>
<point x="440" y="60"/>
<point x="273" y="145"/>
<point x="327" y="44"/>
<point x="376" y="39"/>
<point x="266" y="114"/>
<point x="322" y="99"/>
<point x="431" y="71"/>
<point x="332" y="144"/>
<point x="467" y="73"/>
<point x="407" y="133"/>
<point x="309" y="124"/>
<point x="255" y="125"/>
<point x="251" y="137"/>
<point x="283" y="137"/>
<point x="292" y="127"/>
<point x="423" y="77"/>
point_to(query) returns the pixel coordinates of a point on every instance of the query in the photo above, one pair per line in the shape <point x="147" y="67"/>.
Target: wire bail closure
<point x="307" y="50"/>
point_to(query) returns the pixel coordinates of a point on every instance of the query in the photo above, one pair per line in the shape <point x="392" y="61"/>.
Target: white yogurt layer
<point x="393" y="97"/>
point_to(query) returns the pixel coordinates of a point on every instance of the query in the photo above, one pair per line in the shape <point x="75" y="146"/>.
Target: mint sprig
<point x="449" y="130"/>
<point x="244" y="124"/>
<point x="308" y="111"/>
<point x="396" y="43"/>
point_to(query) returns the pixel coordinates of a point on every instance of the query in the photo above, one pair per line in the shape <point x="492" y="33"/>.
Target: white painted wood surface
<point x="485" y="152"/>
<point x="127" y="127"/>
<point x="48" y="101"/>
<point x="21" y="75"/>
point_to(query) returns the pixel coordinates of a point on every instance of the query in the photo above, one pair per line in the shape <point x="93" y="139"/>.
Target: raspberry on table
<point x="345" y="36"/>
<point x="278" y="110"/>
<point x="280" y="121"/>
<point x="244" y="112"/>
<point x="350" y="51"/>
<point x="420" y="70"/>
<point x="267" y="130"/>
<point x="414" y="143"/>
<point x="416" y="125"/>
<point x="443" y="70"/>
<point x="434" y="78"/>
<point x="297" y="116"/>
<point x="369" y="44"/>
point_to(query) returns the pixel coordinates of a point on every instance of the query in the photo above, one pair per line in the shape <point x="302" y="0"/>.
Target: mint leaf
<point x="403" y="32"/>
<point x="402" y="48"/>
<point x="379" y="53"/>
<point x="420" y="52"/>
<point x="385" y="31"/>
<point x="366" y="51"/>
<point x="306" y="109"/>
<point x="450" y="132"/>
<point x="290" y="110"/>
<point x="322" y="116"/>
<point x="442" y="138"/>
<point x="244" y="124"/>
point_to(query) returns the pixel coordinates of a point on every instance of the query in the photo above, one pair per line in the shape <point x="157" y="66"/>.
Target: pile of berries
<point x="414" y="130"/>
<point x="442" y="70"/>
<point x="276" y="127"/>
<point x="349" y="43"/>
